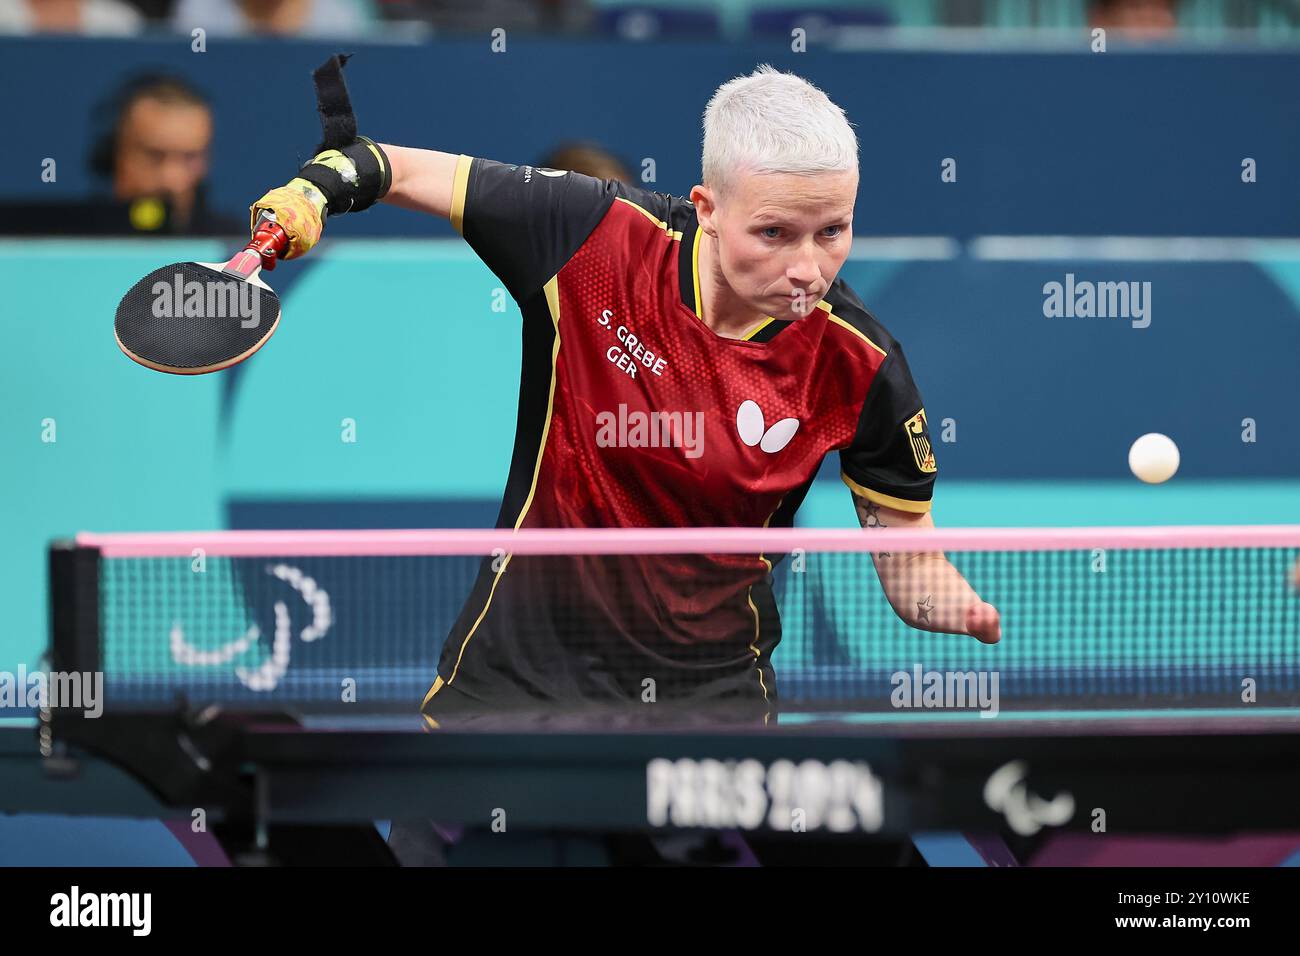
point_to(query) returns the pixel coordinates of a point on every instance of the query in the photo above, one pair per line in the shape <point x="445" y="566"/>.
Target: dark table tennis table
<point x="269" y="779"/>
<point x="276" y="782"/>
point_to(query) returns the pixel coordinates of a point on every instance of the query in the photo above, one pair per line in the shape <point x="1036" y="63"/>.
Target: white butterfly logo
<point x="754" y="431"/>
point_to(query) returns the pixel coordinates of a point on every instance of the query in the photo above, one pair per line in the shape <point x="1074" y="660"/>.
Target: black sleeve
<point x="891" y="459"/>
<point x="525" y="223"/>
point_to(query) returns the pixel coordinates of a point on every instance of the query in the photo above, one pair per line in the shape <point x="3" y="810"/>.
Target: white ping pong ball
<point x="1153" y="458"/>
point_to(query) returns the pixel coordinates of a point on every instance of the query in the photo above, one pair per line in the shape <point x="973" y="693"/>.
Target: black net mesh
<point x="1081" y="629"/>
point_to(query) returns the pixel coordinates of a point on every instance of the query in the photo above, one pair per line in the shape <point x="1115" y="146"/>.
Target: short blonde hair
<point x="774" y="122"/>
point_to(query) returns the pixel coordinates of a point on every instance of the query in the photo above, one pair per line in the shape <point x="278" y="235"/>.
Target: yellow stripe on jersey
<point x="889" y="501"/>
<point x="437" y="686"/>
<point x="459" y="187"/>
<point x="695" y="273"/>
<point x="672" y="233"/>
<point x="856" y="331"/>
<point x="749" y="597"/>
<point x="552" y="291"/>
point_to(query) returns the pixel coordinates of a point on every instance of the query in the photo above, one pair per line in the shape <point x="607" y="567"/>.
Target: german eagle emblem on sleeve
<point x="918" y="436"/>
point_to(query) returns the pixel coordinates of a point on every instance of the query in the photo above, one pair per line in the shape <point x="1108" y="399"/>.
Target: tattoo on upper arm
<point x="923" y="609"/>
<point x="869" y="517"/>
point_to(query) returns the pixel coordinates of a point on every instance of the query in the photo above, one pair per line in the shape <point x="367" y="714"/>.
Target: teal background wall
<point x="402" y="338"/>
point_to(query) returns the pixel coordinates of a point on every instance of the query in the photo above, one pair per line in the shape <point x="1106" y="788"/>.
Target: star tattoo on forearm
<point x="869" y="517"/>
<point x="923" y="609"/>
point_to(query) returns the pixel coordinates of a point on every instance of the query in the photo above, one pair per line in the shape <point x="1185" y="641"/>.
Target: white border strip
<point x="1064" y="39"/>
<point x="1132" y="248"/>
<point x="907" y="248"/>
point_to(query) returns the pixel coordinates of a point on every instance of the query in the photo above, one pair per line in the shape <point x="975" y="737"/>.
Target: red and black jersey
<point x="634" y="413"/>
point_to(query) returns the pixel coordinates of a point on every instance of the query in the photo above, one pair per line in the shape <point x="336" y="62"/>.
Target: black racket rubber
<point x="193" y="344"/>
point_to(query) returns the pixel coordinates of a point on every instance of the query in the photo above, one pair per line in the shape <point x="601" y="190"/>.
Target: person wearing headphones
<point x="155" y="157"/>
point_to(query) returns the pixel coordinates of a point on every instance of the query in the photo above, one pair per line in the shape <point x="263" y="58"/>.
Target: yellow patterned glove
<point x="299" y="209"/>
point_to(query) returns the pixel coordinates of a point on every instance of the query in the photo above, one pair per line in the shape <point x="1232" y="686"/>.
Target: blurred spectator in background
<point x="90" y="17"/>
<point x="156" y="11"/>
<point x="464" y="15"/>
<point x="589" y="159"/>
<point x="157" y="148"/>
<point x="1143" y="18"/>
<point x="338" y="18"/>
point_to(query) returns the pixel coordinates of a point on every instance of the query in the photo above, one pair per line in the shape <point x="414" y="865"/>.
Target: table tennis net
<point x="1111" y="619"/>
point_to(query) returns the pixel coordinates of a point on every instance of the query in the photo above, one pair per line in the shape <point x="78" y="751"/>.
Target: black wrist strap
<point x="339" y="131"/>
<point x="337" y="121"/>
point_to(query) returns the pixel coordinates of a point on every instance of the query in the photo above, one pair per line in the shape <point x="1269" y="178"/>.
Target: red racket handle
<point x="267" y="245"/>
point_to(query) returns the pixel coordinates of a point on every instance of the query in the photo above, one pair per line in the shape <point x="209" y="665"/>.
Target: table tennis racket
<point x="189" y="318"/>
